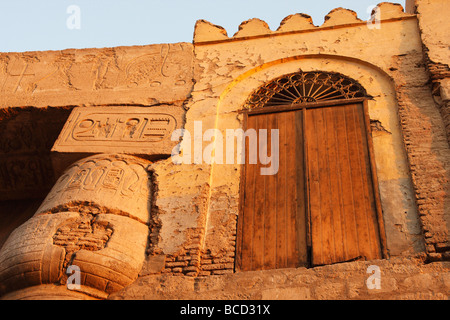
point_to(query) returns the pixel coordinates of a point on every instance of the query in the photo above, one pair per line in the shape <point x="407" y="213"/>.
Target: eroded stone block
<point x="340" y="16"/>
<point x="206" y="31"/>
<point x="151" y="74"/>
<point x="252" y="27"/>
<point x="36" y="253"/>
<point x="130" y="130"/>
<point x="296" y="22"/>
<point x="119" y="183"/>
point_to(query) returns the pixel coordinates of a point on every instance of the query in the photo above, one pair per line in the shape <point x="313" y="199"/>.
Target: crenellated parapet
<point x="207" y="32"/>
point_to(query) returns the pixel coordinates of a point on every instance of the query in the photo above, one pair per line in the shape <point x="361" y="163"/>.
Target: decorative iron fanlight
<point x="304" y="87"/>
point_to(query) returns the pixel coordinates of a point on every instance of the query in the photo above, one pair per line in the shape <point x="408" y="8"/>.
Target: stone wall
<point x="434" y="23"/>
<point x="433" y="194"/>
<point x="40" y="89"/>
<point x="141" y="75"/>
<point x="383" y="61"/>
<point x="400" y="279"/>
<point x="194" y="207"/>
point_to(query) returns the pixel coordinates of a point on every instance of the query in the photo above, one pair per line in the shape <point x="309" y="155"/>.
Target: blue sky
<point x="29" y="25"/>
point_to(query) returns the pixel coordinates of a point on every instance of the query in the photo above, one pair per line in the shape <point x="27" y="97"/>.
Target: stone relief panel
<point x="135" y="130"/>
<point x="151" y="74"/>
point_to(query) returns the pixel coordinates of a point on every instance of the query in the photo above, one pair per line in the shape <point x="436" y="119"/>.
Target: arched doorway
<point x="322" y="205"/>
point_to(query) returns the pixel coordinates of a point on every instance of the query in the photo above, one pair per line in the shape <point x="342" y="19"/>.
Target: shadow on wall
<point x="26" y="137"/>
<point x="26" y="174"/>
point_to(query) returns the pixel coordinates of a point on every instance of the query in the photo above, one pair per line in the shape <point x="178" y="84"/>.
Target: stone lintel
<point x="120" y="129"/>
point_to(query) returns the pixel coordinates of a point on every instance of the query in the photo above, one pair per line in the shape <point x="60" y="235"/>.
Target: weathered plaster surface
<point x="144" y="75"/>
<point x="38" y="90"/>
<point x="434" y="25"/>
<point x="229" y="71"/>
<point x="188" y="219"/>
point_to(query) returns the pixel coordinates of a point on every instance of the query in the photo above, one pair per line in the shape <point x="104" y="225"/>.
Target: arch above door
<point x="390" y="155"/>
<point x="305" y="87"/>
<point x="322" y="206"/>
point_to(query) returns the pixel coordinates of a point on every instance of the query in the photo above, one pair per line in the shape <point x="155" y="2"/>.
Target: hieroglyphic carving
<point x="126" y="127"/>
<point x="26" y="136"/>
<point x="159" y="73"/>
<point x="16" y="71"/>
<point x="120" y="183"/>
<point x="136" y="130"/>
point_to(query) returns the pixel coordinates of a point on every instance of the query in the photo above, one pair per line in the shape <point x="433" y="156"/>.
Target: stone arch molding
<point x="393" y="174"/>
<point x="375" y="80"/>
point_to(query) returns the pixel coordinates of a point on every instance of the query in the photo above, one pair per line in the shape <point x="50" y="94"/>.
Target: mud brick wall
<point x="440" y="78"/>
<point x="431" y="171"/>
<point x="220" y="258"/>
<point x="434" y="26"/>
<point x="428" y="155"/>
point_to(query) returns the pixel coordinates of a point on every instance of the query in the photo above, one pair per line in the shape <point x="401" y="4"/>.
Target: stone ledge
<point x="401" y="278"/>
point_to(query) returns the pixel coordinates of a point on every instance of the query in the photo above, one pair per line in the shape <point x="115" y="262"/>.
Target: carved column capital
<point x="96" y="219"/>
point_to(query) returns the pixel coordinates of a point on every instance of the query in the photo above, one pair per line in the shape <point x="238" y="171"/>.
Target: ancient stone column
<point x="95" y="220"/>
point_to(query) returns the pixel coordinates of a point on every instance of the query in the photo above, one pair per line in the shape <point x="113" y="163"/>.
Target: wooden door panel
<point x="373" y="244"/>
<point x="342" y="207"/>
<point x="272" y="223"/>
<point x="320" y="207"/>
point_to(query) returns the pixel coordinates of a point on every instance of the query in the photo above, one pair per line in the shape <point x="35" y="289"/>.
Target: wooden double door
<point x="322" y="205"/>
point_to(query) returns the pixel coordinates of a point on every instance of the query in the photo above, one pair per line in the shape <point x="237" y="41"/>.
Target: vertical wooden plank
<point x="270" y="213"/>
<point x="291" y="194"/>
<point x="328" y="250"/>
<point x="370" y="248"/>
<point x="373" y="231"/>
<point x="307" y="187"/>
<point x="314" y="185"/>
<point x="247" y="213"/>
<point x="360" y="209"/>
<point x="259" y="207"/>
<point x="323" y="209"/>
<point x="282" y="222"/>
<point x="344" y="166"/>
<point x="301" y="217"/>
<point x="335" y="184"/>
